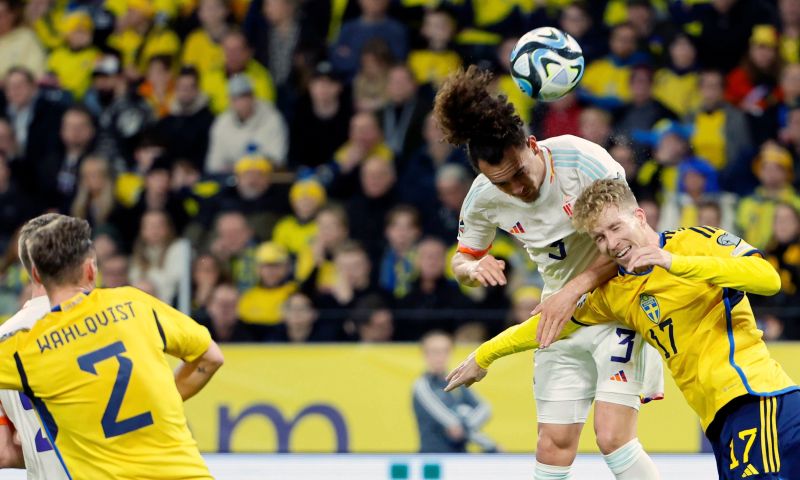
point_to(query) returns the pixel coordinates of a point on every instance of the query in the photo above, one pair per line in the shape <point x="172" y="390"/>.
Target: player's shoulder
<point x="27" y="317"/>
<point x="481" y="194"/>
<point x="699" y="239"/>
<point x="579" y="154"/>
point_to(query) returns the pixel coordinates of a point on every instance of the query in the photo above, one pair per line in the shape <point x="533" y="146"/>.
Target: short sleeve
<point x="182" y="336"/>
<point x="9" y="373"/>
<point x="475" y="231"/>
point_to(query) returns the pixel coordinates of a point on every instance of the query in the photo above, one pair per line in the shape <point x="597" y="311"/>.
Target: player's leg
<point x="621" y="359"/>
<point x="564" y="378"/>
<point x="787" y="432"/>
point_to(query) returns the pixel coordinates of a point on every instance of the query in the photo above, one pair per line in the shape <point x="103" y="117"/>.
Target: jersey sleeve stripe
<point x="473" y="251"/>
<point x="754" y="251"/>
<point x="591" y="174"/>
<point x="160" y="329"/>
<point x="701" y="232"/>
<point x="472" y="195"/>
<point x="48" y="423"/>
<point x="584" y="159"/>
<point x="4" y="420"/>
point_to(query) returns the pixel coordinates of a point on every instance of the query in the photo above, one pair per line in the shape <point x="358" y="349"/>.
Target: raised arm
<point x="751" y="274"/>
<point x="191" y="377"/>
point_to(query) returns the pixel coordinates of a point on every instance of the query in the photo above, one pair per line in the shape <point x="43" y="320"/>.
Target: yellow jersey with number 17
<point x="706" y="333"/>
<point x="96" y="371"/>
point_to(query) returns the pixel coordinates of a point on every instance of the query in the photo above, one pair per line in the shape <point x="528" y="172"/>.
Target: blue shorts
<point x="758" y="438"/>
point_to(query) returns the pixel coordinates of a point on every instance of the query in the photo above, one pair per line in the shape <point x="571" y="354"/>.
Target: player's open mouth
<point x="624" y="252"/>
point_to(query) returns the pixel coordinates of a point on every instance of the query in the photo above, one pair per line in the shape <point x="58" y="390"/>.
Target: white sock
<point x="550" y="472"/>
<point x="631" y="462"/>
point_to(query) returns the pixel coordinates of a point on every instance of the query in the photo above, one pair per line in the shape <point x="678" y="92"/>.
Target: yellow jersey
<point x="96" y="370"/>
<point x="696" y="315"/>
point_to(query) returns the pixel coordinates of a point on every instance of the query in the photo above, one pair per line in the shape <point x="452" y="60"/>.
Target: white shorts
<point x="603" y="362"/>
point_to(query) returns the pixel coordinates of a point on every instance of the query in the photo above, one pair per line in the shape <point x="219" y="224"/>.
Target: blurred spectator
<point x="221" y="316"/>
<point x="790" y="139"/>
<point x="576" y="19"/>
<point x="433" y="301"/>
<point x="141" y="33"/>
<point x="560" y="117"/>
<point x="35" y="119"/>
<point x="202" y="48"/>
<point x="675" y="85"/>
<point x="15" y="204"/>
<point x="275" y="39"/>
<point x="653" y="211"/>
<point x="158" y="87"/>
<point x="447" y="421"/>
<point x="296" y="232"/>
<point x="432" y="64"/>
<point x="187" y="125"/>
<point x="651" y="32"/>
<point x="373" y="23"/>
<point x="73" y="62"/>
<point x="332" y="231"/>
<point x="720" y="130"/>
<point x="774" y="169"/>
<point x="658" y="177"/>
<point x="105" y="241"/>
<point x="753" y="85"/>
<point x="19" y="46"/>
<point x="397" y="263"/>
<point x="253" y="195"/>
<point x="57" y="175"/>
<point x="44" y="17"/>
<point x="452" y="185"/>
<point x="697" y="183"/>
<point x="299" y="323"/>
<point x="371" y="205"/>
<point x="157" y="195"/>
<point x="261" y="305"/>
<point x="373" y="320"/>
<point x="250" y="126"/>
<point x="523" y="301"/>
<point x="234" y="245"/>
<point x="114" y="272"/>
<point x="606" y="83"/>
<point x="773" y="124"/>
<point x="783" y="252"/>
<point x="709" y="212"/>
<point x="162" y="258"/>
<point x="206" y="275"/>
<point x="369" y="83"/>
<point x="789" y="11"/>
<point x="8" y="140"/>
<point x="594" y="124"/>
<point x="94" y="198"/>
<point x="238" y="62"/>
<point x="364" y="140"/>
<point x="324" y="113"/>
<point x="149" y="150"/>
<point x="724" y="28"/>
<point x="643" y="111"/>
<point x="404" y="114"/>
<point x="146" y="286"/>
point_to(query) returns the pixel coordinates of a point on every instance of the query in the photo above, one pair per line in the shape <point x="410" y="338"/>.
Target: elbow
<point x="214" y="357"/>
<point x="772" y="283"/>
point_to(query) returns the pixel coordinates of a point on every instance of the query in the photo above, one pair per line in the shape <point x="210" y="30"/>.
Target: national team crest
<point x="650" y="307"/>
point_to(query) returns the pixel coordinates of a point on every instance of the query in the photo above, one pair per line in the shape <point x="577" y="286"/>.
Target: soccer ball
<point x="547" y="63"/>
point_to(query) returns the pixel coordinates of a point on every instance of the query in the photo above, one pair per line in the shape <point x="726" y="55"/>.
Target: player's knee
<point x="555" y="446"/>
<point x="610" y="439"/>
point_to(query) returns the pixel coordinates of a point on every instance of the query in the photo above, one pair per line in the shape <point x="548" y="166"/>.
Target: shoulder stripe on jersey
<point x="473" y="194"/>
<point x="590" y="162"/>
<point x="732" y="351"/>
<point x="589" y="173"/>
<point x="160" y="329"/>
<point x="697" y="230"/>
<point x="48" y="423"/>
<point x="754" y="251"/>
<point x="709" y="229"/>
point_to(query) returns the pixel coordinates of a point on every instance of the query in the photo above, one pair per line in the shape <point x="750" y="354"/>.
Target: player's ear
<point x="35" y="274"/>
<point x="533" y="144"/>
<point x="90" y="269"/>
<point x="641" y="216"/>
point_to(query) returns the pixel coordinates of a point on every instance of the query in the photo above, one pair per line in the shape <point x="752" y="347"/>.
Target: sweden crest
<point x="650" y="307"/>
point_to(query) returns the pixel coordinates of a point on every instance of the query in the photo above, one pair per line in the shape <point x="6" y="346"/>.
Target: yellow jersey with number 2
<point x="96" y="370"/>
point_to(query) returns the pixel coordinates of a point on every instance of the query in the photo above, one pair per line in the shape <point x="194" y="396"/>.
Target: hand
<point x="455" y="433"/>
<point x="649" y="256"/>
<point x="488" y="271"/>
<point x="555" y="310"/>
<point x="465" y="374"/>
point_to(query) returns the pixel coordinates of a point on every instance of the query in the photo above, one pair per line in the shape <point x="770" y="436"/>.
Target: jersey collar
<point x="78" y="298"/>
<point x="662" y="240"/>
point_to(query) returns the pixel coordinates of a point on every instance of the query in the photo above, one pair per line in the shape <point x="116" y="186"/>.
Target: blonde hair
<point x="100" y="206"/>
<point x="596" y="197"/>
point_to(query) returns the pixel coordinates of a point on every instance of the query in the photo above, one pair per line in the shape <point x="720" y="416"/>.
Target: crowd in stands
<point x="273" y="168"/>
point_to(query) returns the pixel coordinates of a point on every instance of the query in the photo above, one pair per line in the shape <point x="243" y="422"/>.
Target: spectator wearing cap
<point x="238" y="61"/>
<point x="163" y="258"/>
<point x="34" y="118"/>
<point x="774" y="168"/>
<point x="141" y="33"/>
<point x="248" y="126"/>
<point x="19" y="46"/>
<point x="296" y="232"/>
<point x="698" y="184"/>
<point x="221" y="318"/>
<point x="202" y="48"/>
<point x="56" y="175"/>
<point x="187" y="125"/>
<point x="325" y="110"/>
<point x="253" y="195"/>
<point x="345" y="52"/>
<point x="261" y="306"/>
<point x="720" y="132"/>
<point x="73" y="62"/>
<point x="753" y="85"/>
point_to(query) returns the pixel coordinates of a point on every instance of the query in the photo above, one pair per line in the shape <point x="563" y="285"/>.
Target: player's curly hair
<point x="596" y="197"/>
<point x="470" y="115"/>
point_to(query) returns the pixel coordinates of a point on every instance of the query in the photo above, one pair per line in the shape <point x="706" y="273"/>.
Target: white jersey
<point x="544" y="226"/>
<point x="41" y="461"/>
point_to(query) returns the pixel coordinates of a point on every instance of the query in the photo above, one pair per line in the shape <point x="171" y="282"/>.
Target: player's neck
<point x="60" y="294"/>
<point x="38" y="291"/>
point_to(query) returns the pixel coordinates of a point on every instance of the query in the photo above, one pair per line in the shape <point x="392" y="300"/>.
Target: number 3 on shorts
<point x="627" y="340"/>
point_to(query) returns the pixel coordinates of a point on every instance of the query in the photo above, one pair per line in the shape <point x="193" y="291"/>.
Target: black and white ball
<point x="547" y="63"/>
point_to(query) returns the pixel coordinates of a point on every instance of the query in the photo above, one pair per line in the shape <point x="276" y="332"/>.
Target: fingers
<point x="489" y="274"/>
<point x="554" y="328"/>
<point x="536" y="310"/>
